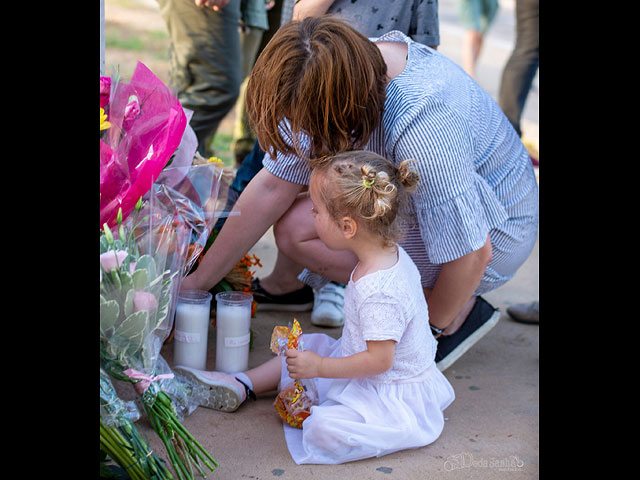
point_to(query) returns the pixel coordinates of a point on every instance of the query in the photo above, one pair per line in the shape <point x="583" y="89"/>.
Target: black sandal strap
<point x="250" y="393"/>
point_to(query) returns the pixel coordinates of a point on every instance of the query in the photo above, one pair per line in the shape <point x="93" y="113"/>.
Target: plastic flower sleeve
<point x="147" y="125"/>
<point x="113" y="410"/>
<point x="120" y="439"/>
<point x="193" y="192"/>
<point x="186" y="394"/>
<point x="137" y="294"/>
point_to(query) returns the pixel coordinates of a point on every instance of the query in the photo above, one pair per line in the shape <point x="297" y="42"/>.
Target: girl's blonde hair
<point x="367" y="187"/>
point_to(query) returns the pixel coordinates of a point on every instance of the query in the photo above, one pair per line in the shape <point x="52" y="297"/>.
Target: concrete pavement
<point x="491" y="430"/>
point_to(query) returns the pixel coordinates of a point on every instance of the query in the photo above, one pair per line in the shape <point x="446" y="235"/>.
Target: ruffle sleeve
<point x="455" y="206"/>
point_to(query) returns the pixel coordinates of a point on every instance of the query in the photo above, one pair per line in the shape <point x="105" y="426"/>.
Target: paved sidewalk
<point x="492" y="426"/>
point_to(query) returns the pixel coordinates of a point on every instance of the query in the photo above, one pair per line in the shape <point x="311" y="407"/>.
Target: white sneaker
<point x="328" y="306"/>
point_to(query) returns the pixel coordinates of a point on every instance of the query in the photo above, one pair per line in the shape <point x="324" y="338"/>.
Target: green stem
<point x="167" y="412"/>
<point x="161" y="431"/>
<point x="114" y="446"/>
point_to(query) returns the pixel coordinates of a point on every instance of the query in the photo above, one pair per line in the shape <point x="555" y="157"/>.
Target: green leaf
<point x="128" y="303"/>
<point x="222" y="286"/>
<point x="146" y="262"/>
<point x="126" y="281"/>
<point x="104" y="245"/>
<point x="109" y="313"/>
<point x="159" y="278"/>
<point x="164" y="300"/>
<point x="133" y="327"/>
<point x="116" y="279"/>
<point x="139" y="279"/>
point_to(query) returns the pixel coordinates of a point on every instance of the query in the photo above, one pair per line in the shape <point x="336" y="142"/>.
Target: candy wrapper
<point x="295" y="399"/>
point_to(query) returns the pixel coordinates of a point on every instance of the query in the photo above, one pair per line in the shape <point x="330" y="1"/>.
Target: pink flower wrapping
<point x="131" y="158"/>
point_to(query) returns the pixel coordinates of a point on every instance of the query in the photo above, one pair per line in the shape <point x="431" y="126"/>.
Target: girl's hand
<point x="302" y="365"/>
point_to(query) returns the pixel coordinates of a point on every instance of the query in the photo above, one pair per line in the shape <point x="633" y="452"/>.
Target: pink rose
<point x="111" y="260"/>
<point x="131" y="112"/>
<point x="144" y="301"/>
<point x="105" y="91"/>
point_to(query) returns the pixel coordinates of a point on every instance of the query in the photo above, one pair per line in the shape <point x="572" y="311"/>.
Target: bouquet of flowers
<point x="148" y="225"/>
<point x="146" y="124"/>
<point x="137" y="280"/>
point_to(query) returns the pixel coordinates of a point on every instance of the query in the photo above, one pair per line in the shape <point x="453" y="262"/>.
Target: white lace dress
<point x="396" y="410"/>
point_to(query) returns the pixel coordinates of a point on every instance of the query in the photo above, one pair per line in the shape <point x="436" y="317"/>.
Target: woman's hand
<point x="305" y="364"/>
<point x="310" y="8"/>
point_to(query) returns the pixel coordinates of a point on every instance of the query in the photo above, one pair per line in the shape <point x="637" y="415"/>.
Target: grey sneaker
<point x="525" y="312"/>
<point x="226" y="393"/>
<point x="328" y="306"/>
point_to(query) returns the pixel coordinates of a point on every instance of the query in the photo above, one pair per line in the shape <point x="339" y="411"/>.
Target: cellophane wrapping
<point x="295" y="399"/>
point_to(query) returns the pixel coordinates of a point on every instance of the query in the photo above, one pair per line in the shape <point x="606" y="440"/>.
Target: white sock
<point x="244" y="378"/>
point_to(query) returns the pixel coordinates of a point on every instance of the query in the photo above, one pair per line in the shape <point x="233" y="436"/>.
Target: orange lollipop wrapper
<point x="294" y="401"/>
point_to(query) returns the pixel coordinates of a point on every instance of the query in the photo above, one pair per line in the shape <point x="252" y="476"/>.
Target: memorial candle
<point x="192" y="329"/>
<point x="233" y="322"/>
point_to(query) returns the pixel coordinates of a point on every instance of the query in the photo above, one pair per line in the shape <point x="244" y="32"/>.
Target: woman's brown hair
<point x="323" y="77"/>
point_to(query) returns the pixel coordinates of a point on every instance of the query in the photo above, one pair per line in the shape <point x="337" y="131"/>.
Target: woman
<point x="319" y="88"/>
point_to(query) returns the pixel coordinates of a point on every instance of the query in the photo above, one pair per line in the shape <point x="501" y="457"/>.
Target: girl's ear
<point x="349" y="227"/>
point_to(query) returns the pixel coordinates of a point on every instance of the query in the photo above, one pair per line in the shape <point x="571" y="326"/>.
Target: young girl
<point x="379" y="389"/>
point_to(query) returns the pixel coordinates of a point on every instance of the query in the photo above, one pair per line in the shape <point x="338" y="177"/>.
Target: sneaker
<point x="482" y="318"/>
<point x="226" y="393"/>
<point x="328" y="306"/>
<point x="298" y="301"/>
<point x="525" y="312"/>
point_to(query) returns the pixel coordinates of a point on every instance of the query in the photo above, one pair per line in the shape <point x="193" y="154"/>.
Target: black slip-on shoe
<point x="298" y="301"/>
<point x="482" y="318"/>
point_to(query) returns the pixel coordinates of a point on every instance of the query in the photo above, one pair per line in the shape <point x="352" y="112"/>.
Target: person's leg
<point x="520" y="69"/>
<point x="243" y="137"/>
<point x="227" y="391"/>
<point x="299" y="247"/>
<point x="460" y="318"/>
<point x="470" y="14"/>
<point x="205" y="61"/>
<point x="265" y="377"/>
<point x="472" y="45"/>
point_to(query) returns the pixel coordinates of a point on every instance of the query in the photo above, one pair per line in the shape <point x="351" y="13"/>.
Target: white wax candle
<point x="232" y="337"/>
<point x="191" y="332"/>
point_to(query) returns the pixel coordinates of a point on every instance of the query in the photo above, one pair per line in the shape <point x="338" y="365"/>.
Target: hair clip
<point x="368" y="183"/>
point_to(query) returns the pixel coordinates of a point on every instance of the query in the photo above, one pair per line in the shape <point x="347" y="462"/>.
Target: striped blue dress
<point x="476" y="178"/>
